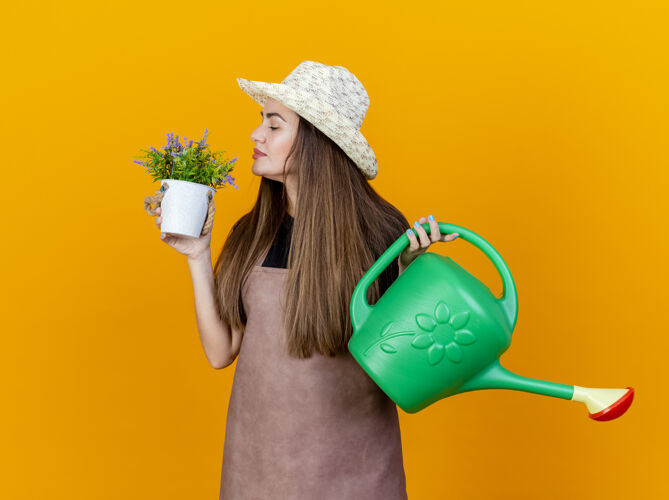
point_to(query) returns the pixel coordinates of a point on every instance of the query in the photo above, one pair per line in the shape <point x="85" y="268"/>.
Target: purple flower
<point x="230" y="180"/>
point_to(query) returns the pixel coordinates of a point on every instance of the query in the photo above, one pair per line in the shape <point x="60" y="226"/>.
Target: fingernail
<point x="431" y="217"/>
<point x="409" y="232"/>
<point x="416" y="224"/>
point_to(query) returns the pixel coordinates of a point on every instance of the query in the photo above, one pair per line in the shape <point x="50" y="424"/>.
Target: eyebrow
<point x="270" y="115"/>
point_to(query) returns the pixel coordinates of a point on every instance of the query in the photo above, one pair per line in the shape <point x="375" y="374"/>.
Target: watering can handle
<point x="360" y="308"/>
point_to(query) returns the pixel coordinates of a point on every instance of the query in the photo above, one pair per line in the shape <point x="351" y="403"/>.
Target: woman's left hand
<point x="415" y="248"/>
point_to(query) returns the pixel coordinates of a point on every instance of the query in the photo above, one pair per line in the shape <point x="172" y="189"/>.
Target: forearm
<point x="400" y="266"/>
<point x="214" y="334"/>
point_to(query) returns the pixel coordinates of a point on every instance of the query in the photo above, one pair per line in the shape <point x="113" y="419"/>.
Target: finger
<point x="413" y="242"/>
<point x="449" y="237"/>
<point x="422" y="235"/>
<point x="423" y="220"/>
<point x="435" y="235"/>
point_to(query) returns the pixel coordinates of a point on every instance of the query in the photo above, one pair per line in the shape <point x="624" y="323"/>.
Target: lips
<point x="257" y="152"/>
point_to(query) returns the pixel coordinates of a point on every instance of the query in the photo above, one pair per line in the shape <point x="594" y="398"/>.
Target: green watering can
<point x="438" y="331"/>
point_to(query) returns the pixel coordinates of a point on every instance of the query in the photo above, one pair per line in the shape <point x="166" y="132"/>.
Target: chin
<point x="267" y="175"/>
<point x="255" y="171"/>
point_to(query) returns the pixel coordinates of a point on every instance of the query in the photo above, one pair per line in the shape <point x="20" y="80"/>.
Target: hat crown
<point x="334" y="85"/>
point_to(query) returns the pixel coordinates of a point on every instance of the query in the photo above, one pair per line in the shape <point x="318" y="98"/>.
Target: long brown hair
<point x="341" y="226"/>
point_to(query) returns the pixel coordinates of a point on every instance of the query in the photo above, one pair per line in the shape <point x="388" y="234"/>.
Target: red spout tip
<point x="616" y="409"/>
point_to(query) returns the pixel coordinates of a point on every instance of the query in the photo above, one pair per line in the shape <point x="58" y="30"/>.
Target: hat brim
<point x="322" y="115"/>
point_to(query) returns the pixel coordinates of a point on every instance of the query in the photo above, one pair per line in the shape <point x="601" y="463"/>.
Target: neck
<point x="290" y="209"/>
<point x="290" y="193"/>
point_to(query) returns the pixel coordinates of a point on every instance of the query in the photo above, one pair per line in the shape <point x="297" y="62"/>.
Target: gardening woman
<point x="304" y="420"/>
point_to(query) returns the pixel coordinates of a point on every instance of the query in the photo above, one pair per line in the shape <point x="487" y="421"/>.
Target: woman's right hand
<point x="417" y="248"/>
<point x="190" y="247"/>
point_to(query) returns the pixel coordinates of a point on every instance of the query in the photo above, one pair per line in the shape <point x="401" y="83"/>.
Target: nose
<point x="257" y="136"/>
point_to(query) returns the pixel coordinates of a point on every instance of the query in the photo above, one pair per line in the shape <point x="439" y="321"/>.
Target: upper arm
<point x="235" y="345"/>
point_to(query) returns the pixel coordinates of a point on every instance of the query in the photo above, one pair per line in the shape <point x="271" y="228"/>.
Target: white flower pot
<point x="184" y="207"/>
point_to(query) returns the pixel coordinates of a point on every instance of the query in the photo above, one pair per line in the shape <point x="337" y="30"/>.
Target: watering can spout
<point x="602" y="404"/>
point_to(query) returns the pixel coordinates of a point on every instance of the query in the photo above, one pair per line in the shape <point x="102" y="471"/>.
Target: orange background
<point x="541" y="126"/>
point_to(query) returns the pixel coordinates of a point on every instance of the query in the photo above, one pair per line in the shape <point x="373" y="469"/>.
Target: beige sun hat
<point x="331" y="98"/>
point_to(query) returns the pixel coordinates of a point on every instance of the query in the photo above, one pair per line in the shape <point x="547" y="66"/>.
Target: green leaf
<point x="388" y="348"/>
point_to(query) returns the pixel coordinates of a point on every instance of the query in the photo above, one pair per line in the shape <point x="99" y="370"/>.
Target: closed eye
<point x="274" y="128"/>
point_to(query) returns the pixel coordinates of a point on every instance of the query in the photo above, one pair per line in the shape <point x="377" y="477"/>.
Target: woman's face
<point x="274" y="137"/>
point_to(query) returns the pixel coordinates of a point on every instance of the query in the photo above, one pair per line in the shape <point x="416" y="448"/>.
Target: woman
<point x="304" y="419"/>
